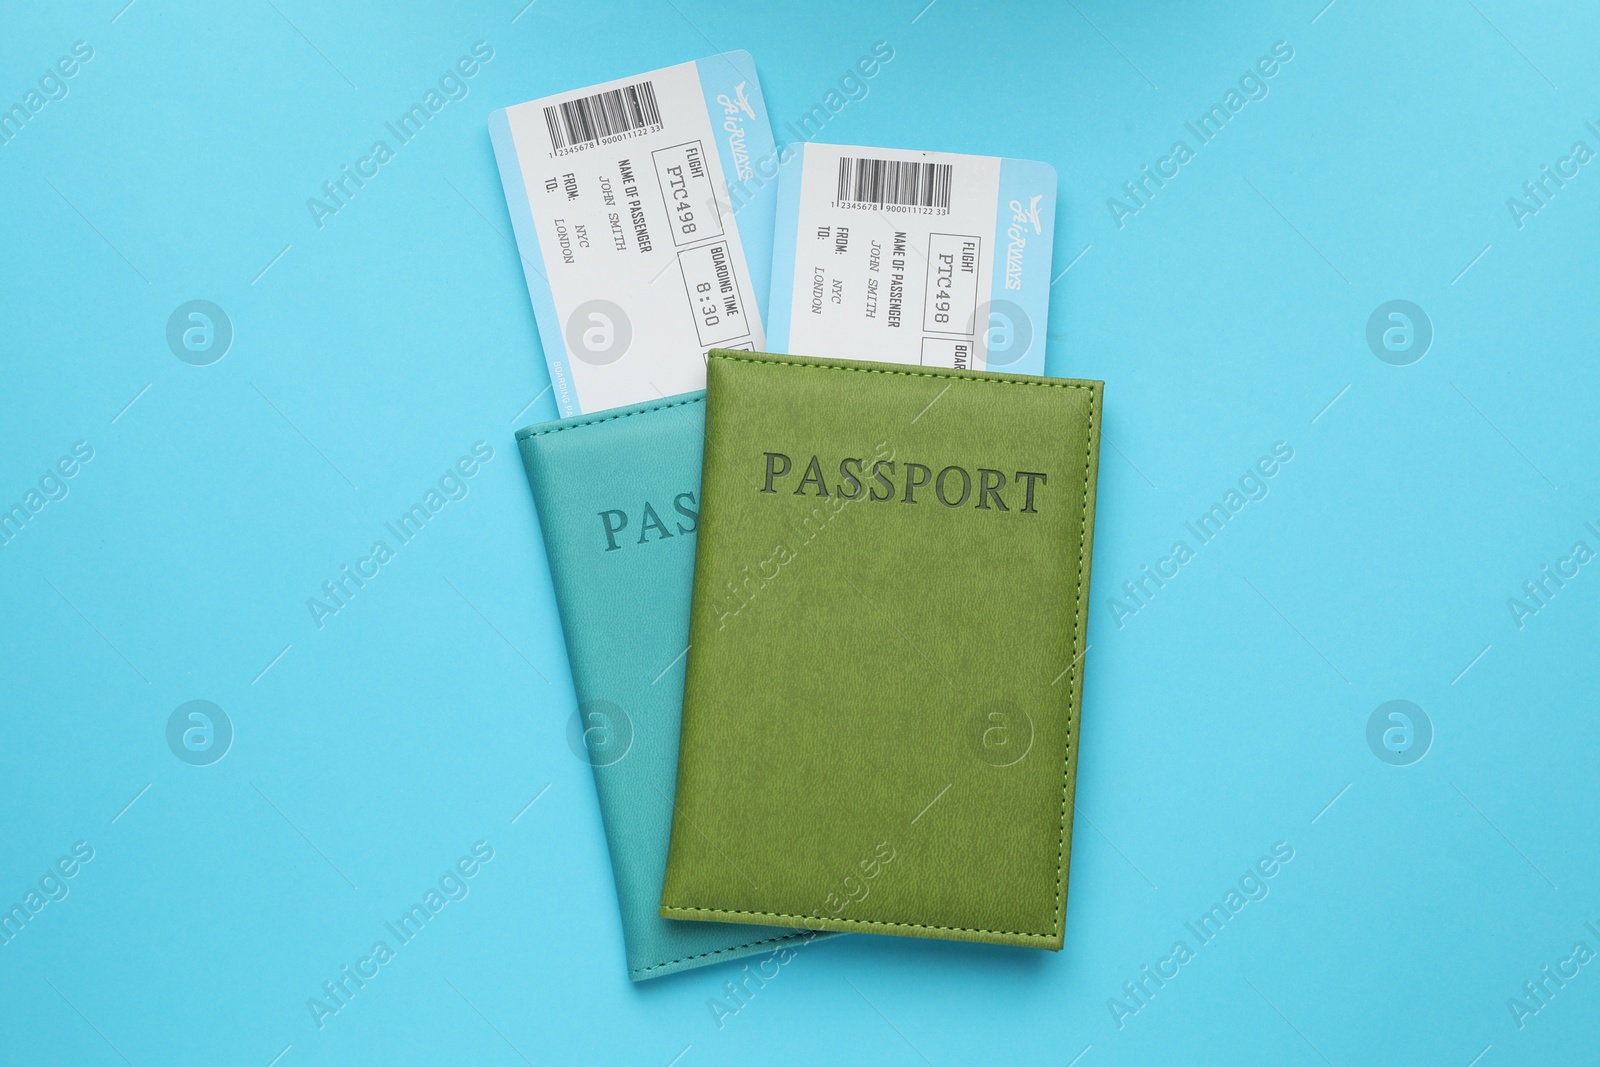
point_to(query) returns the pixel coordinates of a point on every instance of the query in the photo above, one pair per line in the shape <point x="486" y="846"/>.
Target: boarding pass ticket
<point x="636" y="261"/>
<point x="927" y="258"/>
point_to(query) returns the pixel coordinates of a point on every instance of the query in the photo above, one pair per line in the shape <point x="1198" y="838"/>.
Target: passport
<point x="884" y="686"/>
<point x="618" y="501"/>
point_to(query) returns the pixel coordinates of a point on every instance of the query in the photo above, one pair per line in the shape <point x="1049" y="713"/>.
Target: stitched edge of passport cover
<point x="1054" y="937"/>
<point x="698" y="959"/>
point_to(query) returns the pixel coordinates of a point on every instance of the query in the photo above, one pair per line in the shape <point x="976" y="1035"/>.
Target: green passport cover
<point x="618" y="500"/>
<point x="882" y="701"/>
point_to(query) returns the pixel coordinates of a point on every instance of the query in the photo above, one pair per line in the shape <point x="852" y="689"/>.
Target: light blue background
<point x="1223" y="717"/>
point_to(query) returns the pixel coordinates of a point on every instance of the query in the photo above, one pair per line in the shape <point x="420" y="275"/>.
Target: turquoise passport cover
<point x="618" y="499"/>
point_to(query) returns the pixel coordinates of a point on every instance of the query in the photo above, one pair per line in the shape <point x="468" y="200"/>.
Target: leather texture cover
<point x="618" y="497"/>
<point x="890" y="597"/>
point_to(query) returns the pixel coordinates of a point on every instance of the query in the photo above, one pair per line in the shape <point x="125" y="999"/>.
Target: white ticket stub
<point x="635" y="260"/>
<point x="927" y="258"/>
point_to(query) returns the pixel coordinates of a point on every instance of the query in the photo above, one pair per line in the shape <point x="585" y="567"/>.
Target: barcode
<point x="892" y="181"/>
<point x="590" y="118"/>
